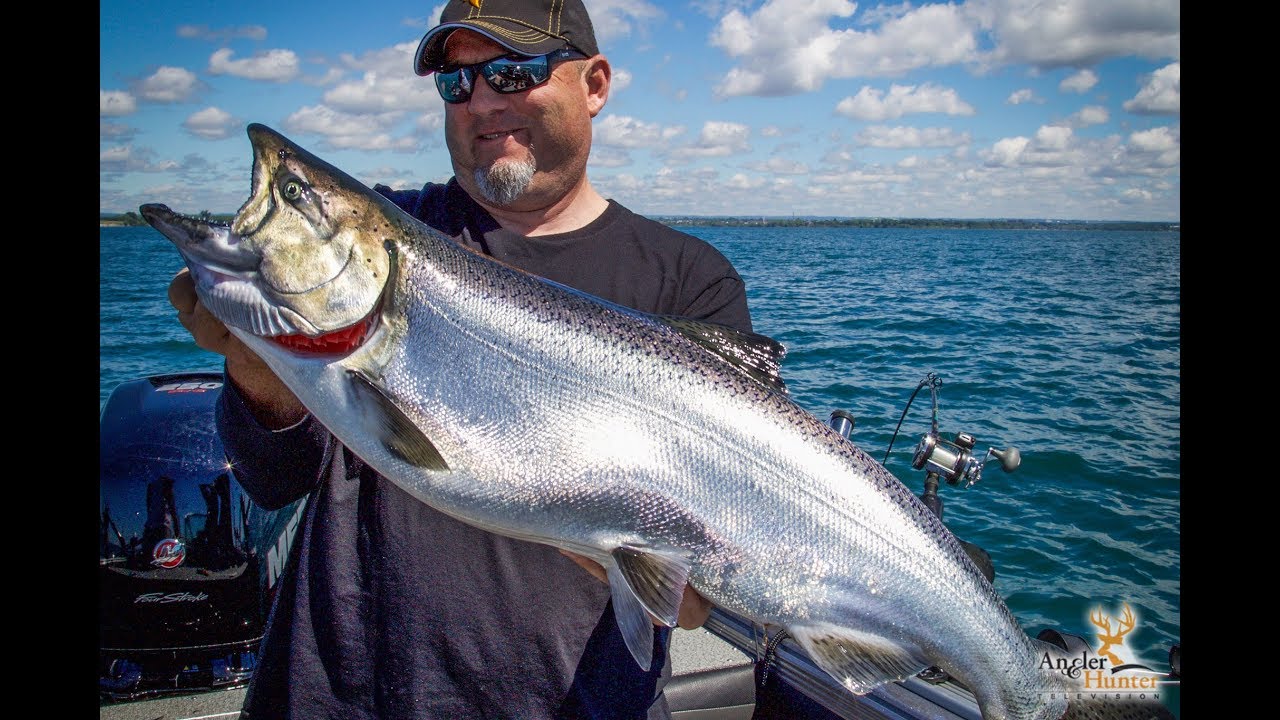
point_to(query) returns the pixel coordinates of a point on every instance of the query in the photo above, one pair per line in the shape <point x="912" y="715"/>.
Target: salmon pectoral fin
<point x="394" y="429"/>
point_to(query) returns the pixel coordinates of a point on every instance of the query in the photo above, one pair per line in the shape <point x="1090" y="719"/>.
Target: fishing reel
<point x="954" y="461"/>
<point x="950" y="460"/>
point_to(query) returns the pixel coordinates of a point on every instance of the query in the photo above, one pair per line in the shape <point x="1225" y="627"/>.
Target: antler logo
<point x="1112" y="639"/>
<point x="1105" y="671"/>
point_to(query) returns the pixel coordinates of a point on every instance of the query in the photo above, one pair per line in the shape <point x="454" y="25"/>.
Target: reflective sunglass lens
<point x="505" y="75"/>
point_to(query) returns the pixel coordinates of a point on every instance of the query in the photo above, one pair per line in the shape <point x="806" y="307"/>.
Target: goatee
<point x="504" y="181"/>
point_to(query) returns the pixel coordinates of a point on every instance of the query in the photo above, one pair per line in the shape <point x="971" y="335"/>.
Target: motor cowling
<point x="181" y="593"/>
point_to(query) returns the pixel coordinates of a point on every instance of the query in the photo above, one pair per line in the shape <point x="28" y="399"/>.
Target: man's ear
<point x="597" y="75"/>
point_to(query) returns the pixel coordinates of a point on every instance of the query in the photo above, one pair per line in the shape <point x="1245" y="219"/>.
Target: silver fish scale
<point x="589" y="426"/>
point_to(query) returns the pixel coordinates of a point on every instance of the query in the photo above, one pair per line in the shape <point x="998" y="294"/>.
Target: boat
<point x="188" y="568"/>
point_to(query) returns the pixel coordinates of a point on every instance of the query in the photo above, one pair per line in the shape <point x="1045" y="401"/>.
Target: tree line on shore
<point x="133" y="219"/>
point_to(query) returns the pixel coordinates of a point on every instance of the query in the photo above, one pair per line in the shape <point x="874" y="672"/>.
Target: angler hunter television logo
<point x="1108" y="667"/>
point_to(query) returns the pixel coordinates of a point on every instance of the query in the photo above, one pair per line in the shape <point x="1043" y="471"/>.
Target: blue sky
<point x="1063" y="109"/>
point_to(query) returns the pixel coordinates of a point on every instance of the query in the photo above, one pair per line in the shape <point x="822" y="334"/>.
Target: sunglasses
<point x="508" y="74"/>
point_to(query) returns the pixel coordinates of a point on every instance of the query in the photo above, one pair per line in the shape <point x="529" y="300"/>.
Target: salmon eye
<point x="292" y="190"/>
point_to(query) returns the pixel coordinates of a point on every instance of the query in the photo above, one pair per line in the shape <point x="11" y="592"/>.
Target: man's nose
<point x="484" y="99"/>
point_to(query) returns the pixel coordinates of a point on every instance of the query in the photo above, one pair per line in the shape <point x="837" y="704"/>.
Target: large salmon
<point x="665" y="449"/>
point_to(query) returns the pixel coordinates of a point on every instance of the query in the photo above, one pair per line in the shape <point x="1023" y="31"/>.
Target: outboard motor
<point x="187" y="561"/>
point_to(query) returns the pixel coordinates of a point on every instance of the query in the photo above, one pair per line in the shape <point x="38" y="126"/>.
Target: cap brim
<point x="517" y="38"/>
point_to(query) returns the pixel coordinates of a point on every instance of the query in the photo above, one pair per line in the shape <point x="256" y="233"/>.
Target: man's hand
<point x="270" y="400"/>
<point x="694" y="609"/>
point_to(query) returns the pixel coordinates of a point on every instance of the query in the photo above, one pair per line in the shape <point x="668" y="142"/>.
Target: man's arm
<point x="276" y="456"/>
<point x="268" y="399"/>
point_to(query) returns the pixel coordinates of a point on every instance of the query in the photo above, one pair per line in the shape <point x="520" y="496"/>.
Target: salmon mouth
<point x="341" y="341"/>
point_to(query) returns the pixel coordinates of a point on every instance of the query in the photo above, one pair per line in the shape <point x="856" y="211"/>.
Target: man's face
<point x="544" y="132"/>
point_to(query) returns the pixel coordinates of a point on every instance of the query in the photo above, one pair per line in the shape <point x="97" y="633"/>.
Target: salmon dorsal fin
<point x="757" y="356"/>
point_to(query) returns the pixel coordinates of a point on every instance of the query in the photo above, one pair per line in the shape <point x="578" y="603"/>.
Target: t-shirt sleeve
<point x="406" y="200"/>
<point x="720" y="297"/>
<point x="716" y="292"/>
<point x="274" y="467"/>
<point x="446" y="208"/>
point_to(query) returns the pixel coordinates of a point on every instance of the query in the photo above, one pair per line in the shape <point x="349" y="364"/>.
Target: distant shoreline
<point x="937" y="223"/>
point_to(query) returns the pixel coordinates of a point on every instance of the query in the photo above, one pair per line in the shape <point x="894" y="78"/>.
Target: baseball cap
<point x="525" y="27"/>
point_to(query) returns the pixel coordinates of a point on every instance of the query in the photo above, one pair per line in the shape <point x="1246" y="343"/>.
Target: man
<point x="389" y="609"/>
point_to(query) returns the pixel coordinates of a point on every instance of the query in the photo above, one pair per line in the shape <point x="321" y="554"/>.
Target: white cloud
<point x="430" y="121"/>
<point x="125" y="158"/>
<point x="271" y="66"/>
<point x="613" y="19"/>
<point x="1153" y="155"/>
<point x="780" y="165"/>
<point x="741" y="82"/>
<point x="115" y="103"/>
<point x="1085" y="158"/>
<point x="719" y="139"/>
<point x="347" y="131"/>
<point x="118" y="155"/>
<point x="330" y="76"/>
<point x="1154" y="140"/>
<point x="1089" y="115"/>
<point x="622" y="131"/>
<point x="910" y="137"/>
<point x="1023" y="96"/>
<point x="389" y="176"/>
<point x="1079" y="82"/>
<point x="1078" y="33"/>
<point x="1157" y="148"/>
<point x="1053" y="137"/>
<point x="1007" y="151"/>
<point x="621" y="80"/>
<point x="115" y="131"/>
<point x="211" y="123"/>
<point x="1161" y="95"/>
<point x="384" y="85"/>
<point x="1055" y="150"/>
<point x="604" y="156"/>
<point x="222" y="35"/>
<point x="741" y="181"/>
<point x="873" y="104"/>
<point x="169" y="85"/>
<point x="788" y="46"/>
<point x="862" y="176"/>
<point x="375" y="93"/>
